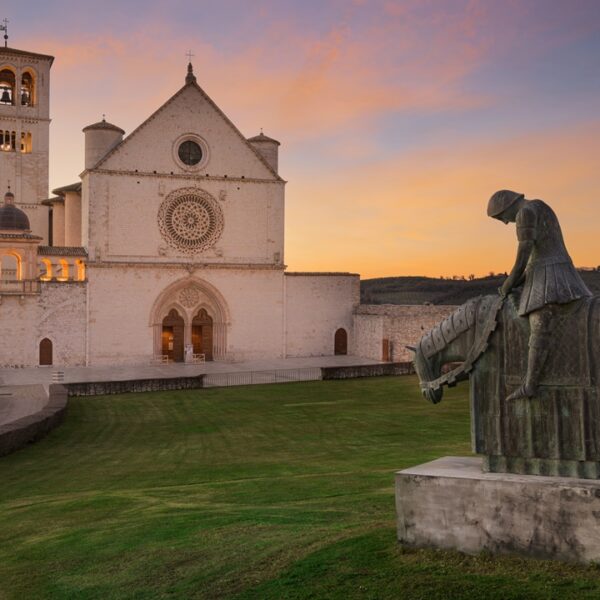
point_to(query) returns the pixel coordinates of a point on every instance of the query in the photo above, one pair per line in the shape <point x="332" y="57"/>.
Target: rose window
<point x="190" y="220"/>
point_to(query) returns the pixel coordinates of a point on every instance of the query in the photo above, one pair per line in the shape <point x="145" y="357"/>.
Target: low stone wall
<point x="352" y="372"/>
<point x="103" y="388"/>
<point x="400" y="325"/>
<point x="19" y="433"/>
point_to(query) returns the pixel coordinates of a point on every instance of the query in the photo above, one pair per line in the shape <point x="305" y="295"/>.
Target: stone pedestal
<point x="451" y="504"/>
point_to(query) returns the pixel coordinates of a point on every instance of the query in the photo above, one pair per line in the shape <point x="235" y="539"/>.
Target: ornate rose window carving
<point x="189" y="297"/>
<point x="190" y="220"/>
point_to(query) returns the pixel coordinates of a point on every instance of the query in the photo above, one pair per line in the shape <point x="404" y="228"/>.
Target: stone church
<point x="169" y="246"/>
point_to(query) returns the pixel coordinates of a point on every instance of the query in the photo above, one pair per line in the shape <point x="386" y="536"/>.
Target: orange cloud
<point x="425" y="213"/>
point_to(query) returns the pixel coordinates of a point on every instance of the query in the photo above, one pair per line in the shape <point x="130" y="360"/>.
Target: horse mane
<point x="462" y="319"/>
<point x="481" y="313"/>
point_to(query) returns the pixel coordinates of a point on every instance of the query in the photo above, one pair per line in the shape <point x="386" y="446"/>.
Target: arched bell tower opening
<point x="204" y="320"/>
<point x="27" y="88"/>
<point x="7" y="85"/>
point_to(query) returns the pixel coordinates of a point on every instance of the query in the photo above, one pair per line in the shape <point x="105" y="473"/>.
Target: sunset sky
<point x="397" y="119"/>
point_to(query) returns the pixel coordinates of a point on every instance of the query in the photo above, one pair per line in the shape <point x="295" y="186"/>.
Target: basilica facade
<point x="168" y="247"/>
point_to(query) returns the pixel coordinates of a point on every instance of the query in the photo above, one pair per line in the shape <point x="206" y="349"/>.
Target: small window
<point x="64" y="270"/>
<point x="80" y="265"/>
<point x="8" y="140"/>
<point x="190" y="153"/>
<point x="46" y="270"/>
<point x="25" y="142"/>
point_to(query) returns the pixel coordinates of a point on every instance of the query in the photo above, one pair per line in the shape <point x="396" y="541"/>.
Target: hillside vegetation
<point x="431" y="290"/>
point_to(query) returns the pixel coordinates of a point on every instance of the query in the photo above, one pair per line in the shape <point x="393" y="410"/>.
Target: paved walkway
<point x="25" y="391"/>
<point x="17" y="402"/>
<point x="43" y="375"/>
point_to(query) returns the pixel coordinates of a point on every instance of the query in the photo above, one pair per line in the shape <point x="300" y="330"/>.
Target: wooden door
<point x="386" y="354"/>
<point x="45" y="352"/>
<point x="340" y="342"/>
<point x="172" y="336"/>
<point x="202" y="334"/>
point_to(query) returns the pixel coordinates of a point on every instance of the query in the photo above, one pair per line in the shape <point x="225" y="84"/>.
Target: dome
<point x="104" y="124"/>
<point x="12" y="217"/>
<point x="261" y="137"/>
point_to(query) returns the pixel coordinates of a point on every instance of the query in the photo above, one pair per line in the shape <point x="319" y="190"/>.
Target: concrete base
<point x="451" y="504"/>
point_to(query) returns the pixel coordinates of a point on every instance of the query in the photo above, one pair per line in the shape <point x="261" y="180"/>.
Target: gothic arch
<point x="12" y="254"/>
<point x="8" y="84"/>
<point x="188" y="296"/>
<point x="28" y="87"/>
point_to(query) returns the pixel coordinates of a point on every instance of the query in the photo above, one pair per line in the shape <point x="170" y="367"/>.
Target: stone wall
<point x="19" y="433"/>
<point x="57" y="313"/>
<point x="103" y="388"/>
<point x="355" y="371"/>
<point x="402" y="325"/>
<point x="317" y="305"/>
<point x="128" y="302"/>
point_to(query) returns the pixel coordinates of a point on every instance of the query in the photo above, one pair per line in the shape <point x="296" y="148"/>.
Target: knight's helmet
<point x="502" y="200"/>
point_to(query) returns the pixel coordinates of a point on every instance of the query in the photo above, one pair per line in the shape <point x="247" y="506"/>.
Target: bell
<point x="25" y="99"/>
<point x="5" y="97"/>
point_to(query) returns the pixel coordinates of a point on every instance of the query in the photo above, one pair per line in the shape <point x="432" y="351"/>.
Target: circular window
<point x="190" y="220"/>
<point x="190" y="153"/>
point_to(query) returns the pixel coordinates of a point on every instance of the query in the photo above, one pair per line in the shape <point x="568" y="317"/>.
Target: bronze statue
<point x="531" y="353"/>
<point x="545" y="268"/>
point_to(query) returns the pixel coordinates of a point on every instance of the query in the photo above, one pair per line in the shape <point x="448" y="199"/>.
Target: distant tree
<point x="471" y="277"/>
<point x="491" y="274"/>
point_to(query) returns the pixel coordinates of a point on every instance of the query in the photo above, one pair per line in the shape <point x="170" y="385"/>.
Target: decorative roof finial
<point x="9" y="197"/>
<point x="190" y="77"/>
<point x="5" y="29"/>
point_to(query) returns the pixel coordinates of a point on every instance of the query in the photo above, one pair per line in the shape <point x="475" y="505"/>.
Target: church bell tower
<point x="24" y="130"/>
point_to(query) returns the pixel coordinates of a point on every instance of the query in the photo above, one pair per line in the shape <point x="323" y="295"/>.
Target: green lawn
<point x="262" y="492"/>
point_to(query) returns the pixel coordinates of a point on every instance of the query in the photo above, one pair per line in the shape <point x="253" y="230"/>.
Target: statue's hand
<point x="505" y="289"/>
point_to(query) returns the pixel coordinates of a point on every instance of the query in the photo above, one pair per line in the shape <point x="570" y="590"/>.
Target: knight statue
<point x="544" y="268"/>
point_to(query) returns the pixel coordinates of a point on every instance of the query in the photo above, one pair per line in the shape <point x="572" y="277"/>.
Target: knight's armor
<point x="550" y="277"/>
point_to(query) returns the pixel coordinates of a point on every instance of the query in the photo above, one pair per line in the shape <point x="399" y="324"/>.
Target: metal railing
<point x="261" y="377"/>
<point x="18" y="287"/>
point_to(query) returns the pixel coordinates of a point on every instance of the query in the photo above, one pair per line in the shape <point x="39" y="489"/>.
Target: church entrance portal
<point x="202" y="334"/>
<point x="172" y="336"/>
<point x="189" y="320"/>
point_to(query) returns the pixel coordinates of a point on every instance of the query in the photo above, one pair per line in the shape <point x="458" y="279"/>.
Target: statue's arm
<point x="526" y="222"/>
<point x="518" y="270"/>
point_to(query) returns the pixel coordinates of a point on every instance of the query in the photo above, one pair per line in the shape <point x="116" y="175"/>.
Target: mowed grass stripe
<point x="277" y="491"/>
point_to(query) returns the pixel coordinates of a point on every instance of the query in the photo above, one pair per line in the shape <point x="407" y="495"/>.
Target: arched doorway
<point x="201" y="305"/>
<point x="202" y="334"/>
<point x="172" y="336"/>
<point x="45" y="352"/>
<point x="340" y="343"/>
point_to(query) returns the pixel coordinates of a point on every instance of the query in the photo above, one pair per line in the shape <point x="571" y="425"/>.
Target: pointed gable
<point x="153" y="146"/>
